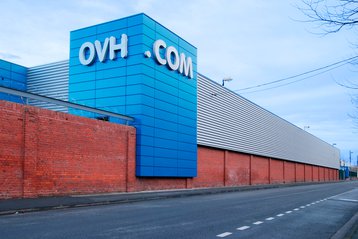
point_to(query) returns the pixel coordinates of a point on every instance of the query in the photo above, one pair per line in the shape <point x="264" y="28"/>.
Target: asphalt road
<point x="315" y="211"/>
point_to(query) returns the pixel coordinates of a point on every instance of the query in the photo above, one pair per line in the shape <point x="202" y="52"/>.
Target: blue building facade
<point x="137" y="67"/>
<point x="12" y="76"/>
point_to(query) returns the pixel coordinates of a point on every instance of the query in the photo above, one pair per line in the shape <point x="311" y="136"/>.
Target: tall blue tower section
<point x="163" y="101"/>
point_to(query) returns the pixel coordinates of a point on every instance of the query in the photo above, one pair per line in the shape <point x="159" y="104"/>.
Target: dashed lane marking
<point x="258" y="223"/>
<point x="225" y="234"/>
<point x="346" y="199"/>
<point x="243" y="228"/>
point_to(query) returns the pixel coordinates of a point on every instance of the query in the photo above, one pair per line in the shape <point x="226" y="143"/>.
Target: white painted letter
<point x="87" y="46"/>
<point x="156" y="47"/>
<point x="186" y="66"/>
<point x="113" y="47"/>
<point x="101" y="52"/>
<point x="172" y="65"/>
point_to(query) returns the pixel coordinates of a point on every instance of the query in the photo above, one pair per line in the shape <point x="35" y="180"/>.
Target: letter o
<point x="156" y="47"/>
<point x="172" y="65"/>
<point x="87" y="46"/>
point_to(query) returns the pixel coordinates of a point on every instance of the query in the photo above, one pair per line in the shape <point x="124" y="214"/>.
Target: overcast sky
<point x="253" y="42"/>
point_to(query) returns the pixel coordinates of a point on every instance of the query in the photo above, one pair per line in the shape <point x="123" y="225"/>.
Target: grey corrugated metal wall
<point x="225" y="120"/>
<point x="229" y="121"/>
<point x="49" y="80"/>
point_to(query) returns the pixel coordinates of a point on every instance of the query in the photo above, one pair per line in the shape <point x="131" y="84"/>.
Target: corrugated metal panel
<point x="49" y="80"/>
<point x="227" y="120"/>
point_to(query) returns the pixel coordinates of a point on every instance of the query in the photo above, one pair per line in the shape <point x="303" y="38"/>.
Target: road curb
<point x="348" y="229"/>
<point x="15" y="206"/>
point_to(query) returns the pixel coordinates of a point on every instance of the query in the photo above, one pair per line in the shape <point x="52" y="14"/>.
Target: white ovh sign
<point x="110" y="44"/>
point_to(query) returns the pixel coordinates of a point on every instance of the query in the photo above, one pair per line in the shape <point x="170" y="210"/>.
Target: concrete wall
<point x="47" y="153"/>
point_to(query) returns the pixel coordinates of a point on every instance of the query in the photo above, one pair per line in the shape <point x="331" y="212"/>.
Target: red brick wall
<point x="308" y="173"/>
<point x="211" y="169"/>
<point x="50" y="153"/>
<point x="315" y="175"/>
<point x="276" y="171"/>
<point x="237" y="169"/>
<point x="300" y="172"/>
<point x="290" y="172"/>
<point x="321" y="174"/>
<point x="11" y="153"/>
<point x="259" y="170"/>
<point x="46" y="153"/>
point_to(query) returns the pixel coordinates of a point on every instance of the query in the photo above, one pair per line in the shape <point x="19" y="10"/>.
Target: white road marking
<point x="302" y="207"/>
<point x="341" y="194"/>
<point x="347" y="200"/>
<point x="308" y="205"/>
<point x="288" y="212"/>
<point x="258" y="223"/>
<point x="225" y="234"/>
<point x="296" y="209"/>
<point x="242" y="228"/>
<point x="269" y="218"/>
<point x="280" y="215"/>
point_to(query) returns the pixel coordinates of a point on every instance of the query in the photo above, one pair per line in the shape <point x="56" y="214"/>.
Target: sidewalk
<point x="11" y="206"/>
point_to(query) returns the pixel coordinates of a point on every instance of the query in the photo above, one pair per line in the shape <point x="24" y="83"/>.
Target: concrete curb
<point x="348" y="229"/>
<point x="15" y="206"/>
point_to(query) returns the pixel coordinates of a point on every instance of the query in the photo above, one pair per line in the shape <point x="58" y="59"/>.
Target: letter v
<point x="102" y="52"/>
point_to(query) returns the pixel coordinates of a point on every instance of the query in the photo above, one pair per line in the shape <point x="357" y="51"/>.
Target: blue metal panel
<point x="5" y="82"/>
<point x="110" y="101"/>
<point x="165" y="172"/>
<point x="187" y="172"/>
<point x="110" y="92"/>
<point x="4" y="73"/>
<point x="162" y="100"/>
<point x="111" y="73"/>
<point x="111" y="82"/>
<point x="143" y="171"/>
<point x="13" y="76"/>
<point x="82" y="86"/>
<point x="5" y="65"/>
<point x="82" y="95"/>
<point x="186" y="164"/>
<point x="4" y="96"/>
<point x="146" y="160"/>
<point x="166" y="162"/>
